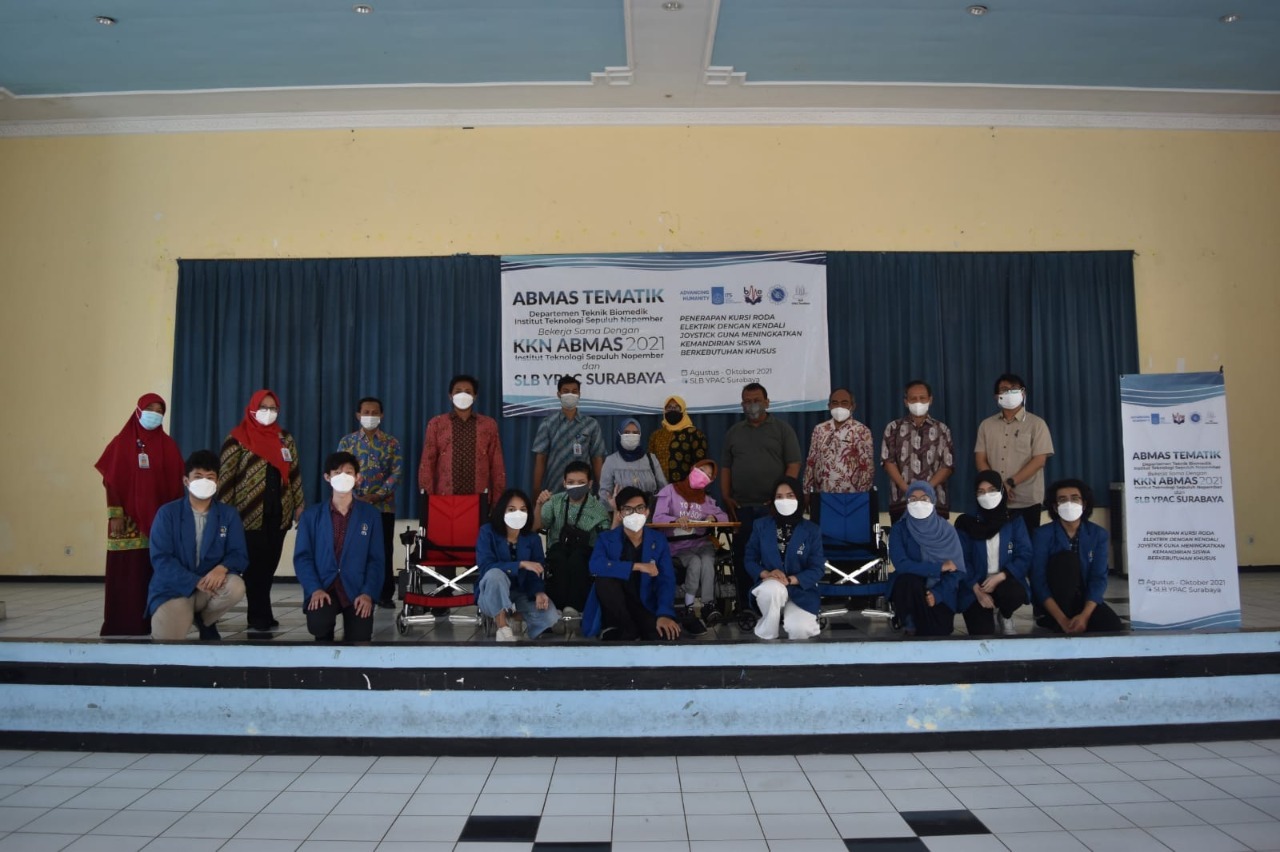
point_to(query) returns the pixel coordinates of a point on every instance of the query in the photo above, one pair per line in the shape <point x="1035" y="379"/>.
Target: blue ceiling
<point x="1171" y="44"/>
<point x="55" y="47"/>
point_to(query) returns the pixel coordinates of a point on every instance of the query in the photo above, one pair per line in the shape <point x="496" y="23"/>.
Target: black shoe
<point x="693" y="626"/>
<point x="208" y="632"/>
<point x="387" y="603"/>
<point x="710" y="615"/>
<point x="261" y="626"/>
<point x="275" y="623"/>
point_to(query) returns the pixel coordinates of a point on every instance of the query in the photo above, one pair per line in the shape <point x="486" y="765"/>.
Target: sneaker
<point x="570" y="612"/>
<point x="505" y="634"/>
<point x="1005" y="626"/>
<point x="710" y="615"/>
<point x="693" y="625"/>
<point x="208" y="632"/>
<point x="387" y="603"/>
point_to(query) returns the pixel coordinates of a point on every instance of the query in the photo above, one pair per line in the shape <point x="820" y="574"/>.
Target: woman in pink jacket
<point x="682" y="502"/>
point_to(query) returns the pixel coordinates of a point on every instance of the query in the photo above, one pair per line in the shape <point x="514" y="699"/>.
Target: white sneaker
<point x="1005" y="626"/>
<point x="505" y="634"/>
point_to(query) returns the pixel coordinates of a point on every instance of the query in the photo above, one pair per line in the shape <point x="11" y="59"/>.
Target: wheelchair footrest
<point x="439" y="601"/>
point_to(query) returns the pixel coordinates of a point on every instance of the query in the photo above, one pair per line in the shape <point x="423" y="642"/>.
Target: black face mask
<point x="576" y="492"/>
<point x="674" y="417"/>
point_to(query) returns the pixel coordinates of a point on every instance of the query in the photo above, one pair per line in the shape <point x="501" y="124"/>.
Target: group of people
<point x="187" y="540"/>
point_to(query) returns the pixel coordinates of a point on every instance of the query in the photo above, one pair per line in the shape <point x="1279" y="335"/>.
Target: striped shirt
<point x="563" y="441"/>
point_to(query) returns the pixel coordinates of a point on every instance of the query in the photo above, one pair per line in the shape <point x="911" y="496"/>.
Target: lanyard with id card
<point x="284" y="452"/>
<point x="144" y="460"/>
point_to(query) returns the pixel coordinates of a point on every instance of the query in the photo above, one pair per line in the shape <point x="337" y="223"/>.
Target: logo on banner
<point x="1155" y="418"/>
<point x="1195" y="417"/>
<point x="778" y="295"/>
<point x="717" y="295"/>
<point x="801" y="295"/>
<point x="1179" y="418"/>
<point x="752" y="295"/>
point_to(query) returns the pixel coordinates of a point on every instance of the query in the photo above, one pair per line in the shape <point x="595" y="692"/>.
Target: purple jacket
<point x="671" y="507"/>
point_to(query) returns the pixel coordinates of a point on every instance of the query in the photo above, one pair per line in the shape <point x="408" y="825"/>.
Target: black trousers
<point x="747" y="516"/>
<point x="910" y="608"/>
<point x="622" y="610"/>
<point x="264" y="546"/>
<point x="1009" y="595"/>
<point x="321" y="622"/>
<point x="389" y="554"/>
<point x="1031" y="516"/>
<point x="1066" y="587"/>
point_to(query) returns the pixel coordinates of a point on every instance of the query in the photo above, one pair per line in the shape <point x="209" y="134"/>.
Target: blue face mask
<point x="150" y="419"/>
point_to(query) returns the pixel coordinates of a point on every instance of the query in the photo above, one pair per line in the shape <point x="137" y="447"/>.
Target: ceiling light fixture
<point x="1229" y="19"/>
<point x="104" y="20"/>
<point x="362" y="9"/>
<point x="977" y="11"/>
<point x="672" y="6"/>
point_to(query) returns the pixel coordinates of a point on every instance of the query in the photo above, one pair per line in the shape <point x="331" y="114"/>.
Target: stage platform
<point x="454" y="694"/>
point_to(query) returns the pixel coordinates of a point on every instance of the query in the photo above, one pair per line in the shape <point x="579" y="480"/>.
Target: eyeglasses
<point x="633" y="510"/>
<point x="1062" y="500"/>
<point x="921" y="499"/>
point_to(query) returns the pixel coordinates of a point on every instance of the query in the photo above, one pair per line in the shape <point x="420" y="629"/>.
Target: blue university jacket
<point x="1052" y="538"/>
<point x="904" y="553"/>
<point x="362" y="566"/>
<point x="804" y="559"/>
<point x="658" y="593"/>
<point x="493" y="554"/>
<point x="173" y="549"/>
<point x="1015" y="560"/>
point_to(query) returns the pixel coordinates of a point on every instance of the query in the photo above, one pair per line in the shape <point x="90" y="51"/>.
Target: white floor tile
<point x="1187" y="789"/>
<point x="1043" y="795"/>
<point x="648" y="828"/>
<point x="1086" y="817"/>
<point x="646" y="804"/>
<point x="647" y="782"/>
<point x="964" y="843"/>
<point x="353" y="827"/>
<point x="279" y="827"/>
<point x="788" y="802"/>
<point x="724" y="827"/>
<point x="701" y="804"/>
<point x="853" y="826"/>
<point x="1155" y="814"/>
<point x="1016" y="820"/>
<point x="302" y="803"/>
<point x="713" y="782"/>
<point x="578" y="804"/>
<point x="198" y="825"/>
<point x="389" y="782"/>
<point x="924" y="800"/>
<point x="430" y="828"/>
<point x="1119" y="840"/>
<point x="68" y="821"/>
<point x="508" y="804"/>
<point x="1042" y="841"/>
<point x="23" y="842"/>
<point x="855" y="801"/>
<point x="889" y="761"/>
<point x="1198" y="838"/>
<point x="1260" y="836"/>
<point x="904" y="779"/>
<point x="990" y="797"/>
<point x="570" y="829"/>
<point x="1218" y="811"/>
<point x="38" y="796"/>
<point x="777" y="781"/>
<point x="138" y="823"/>
<point x="1112" y="792"/>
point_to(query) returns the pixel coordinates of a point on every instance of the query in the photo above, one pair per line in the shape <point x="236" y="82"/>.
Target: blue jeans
<point x="494" y="595"/>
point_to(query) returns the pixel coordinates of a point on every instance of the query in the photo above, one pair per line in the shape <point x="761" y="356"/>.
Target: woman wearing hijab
<point x="784" y="558"/>
<point x="928" y="562"/>
<point x="997" y="552"/>
<point x="629" y="466"/>
<point x="141" y="469"/>
<point x="682" y="502"/>
<point x="259" y="477"/>
<point x="677" y="445"/>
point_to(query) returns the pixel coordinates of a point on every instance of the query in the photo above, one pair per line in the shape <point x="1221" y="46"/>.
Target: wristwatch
<point x="1009" y="482"/>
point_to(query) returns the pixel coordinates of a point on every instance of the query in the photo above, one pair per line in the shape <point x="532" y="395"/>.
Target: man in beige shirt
<point x="1016" y="444"/>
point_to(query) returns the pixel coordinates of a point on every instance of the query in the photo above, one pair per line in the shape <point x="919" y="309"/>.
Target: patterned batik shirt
<point x="919" y="452"/>
<point x="841" y="458"/>
<point x="381" y="465"/>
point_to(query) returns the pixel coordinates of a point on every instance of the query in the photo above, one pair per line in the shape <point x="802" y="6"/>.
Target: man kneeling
<point x="338" y="557"/>
<point x="197" y="555"/>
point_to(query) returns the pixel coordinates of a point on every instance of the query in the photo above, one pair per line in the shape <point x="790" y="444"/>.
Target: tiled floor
<point x="1210" y="797"/>
<point x="74" y="611"/>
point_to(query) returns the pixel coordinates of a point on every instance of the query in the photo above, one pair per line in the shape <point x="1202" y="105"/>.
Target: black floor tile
<point x="500" y="829"/>
<point x="933" y="823"/>
<point x="574" y="846"/>
<point x="886" y="844"/>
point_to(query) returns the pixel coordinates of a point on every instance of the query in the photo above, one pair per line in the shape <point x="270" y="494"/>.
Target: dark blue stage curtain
<point x="323" y="333"/>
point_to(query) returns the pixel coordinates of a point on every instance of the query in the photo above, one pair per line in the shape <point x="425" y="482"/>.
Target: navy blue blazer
<point x="494" y="554"/>
<point x="804" y="559"/>
<point x="1052" y="538"/>
<point x="658" y="593"/>
<point x="315" y="564"/>
<point x="1015" y="560"/>
<point x="173" y="549"/>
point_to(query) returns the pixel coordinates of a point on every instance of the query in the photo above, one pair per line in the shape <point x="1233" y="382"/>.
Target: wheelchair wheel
<point x="823" y="623"/>
<point x="401" y="624"/>
<point x="747" y="619"/>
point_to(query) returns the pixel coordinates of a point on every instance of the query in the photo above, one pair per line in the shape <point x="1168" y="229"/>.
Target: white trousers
<point x="776" y="606"/>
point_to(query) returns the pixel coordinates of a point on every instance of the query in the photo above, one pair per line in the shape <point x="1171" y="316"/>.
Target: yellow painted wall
<point x="90" y="229"/>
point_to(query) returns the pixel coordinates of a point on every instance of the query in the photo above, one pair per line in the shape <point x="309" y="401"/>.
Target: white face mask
<point x="569" y="400"/>
<point x="920" y="509"/>
<point x="840" y="414"/>
<point x="635" y="523"/>
<point x="265" y="416"/>
<point x="989" y="500"/>
<point x="918" y="409"/>
<point x="1070" y="512"/>
<point x="515" y="519"/>
<point x="462" y="401"/>
<point x="786" y="506"/>
<point x="369" y="422"/>
<point x="202" y="489"/>
<point x="342" y="483"/>
<point x="1010" y="400"/>
<point x="629" y="441"/>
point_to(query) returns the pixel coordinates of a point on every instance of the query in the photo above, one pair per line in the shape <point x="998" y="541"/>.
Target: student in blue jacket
<point x="784" y="559"/>
<point x="509" y="554"/>
<point x="633" y="593"/>
<point x="198" y="553"/>
<point x="928" y="562"/>
<point x="1069" y="564"/>
<point x="997" y="553"/>
<point x="338" y="557"/>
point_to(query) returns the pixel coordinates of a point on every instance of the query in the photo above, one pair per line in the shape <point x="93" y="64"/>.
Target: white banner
<point x="1179" y="521"/>
<point x="637" y="329"/>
